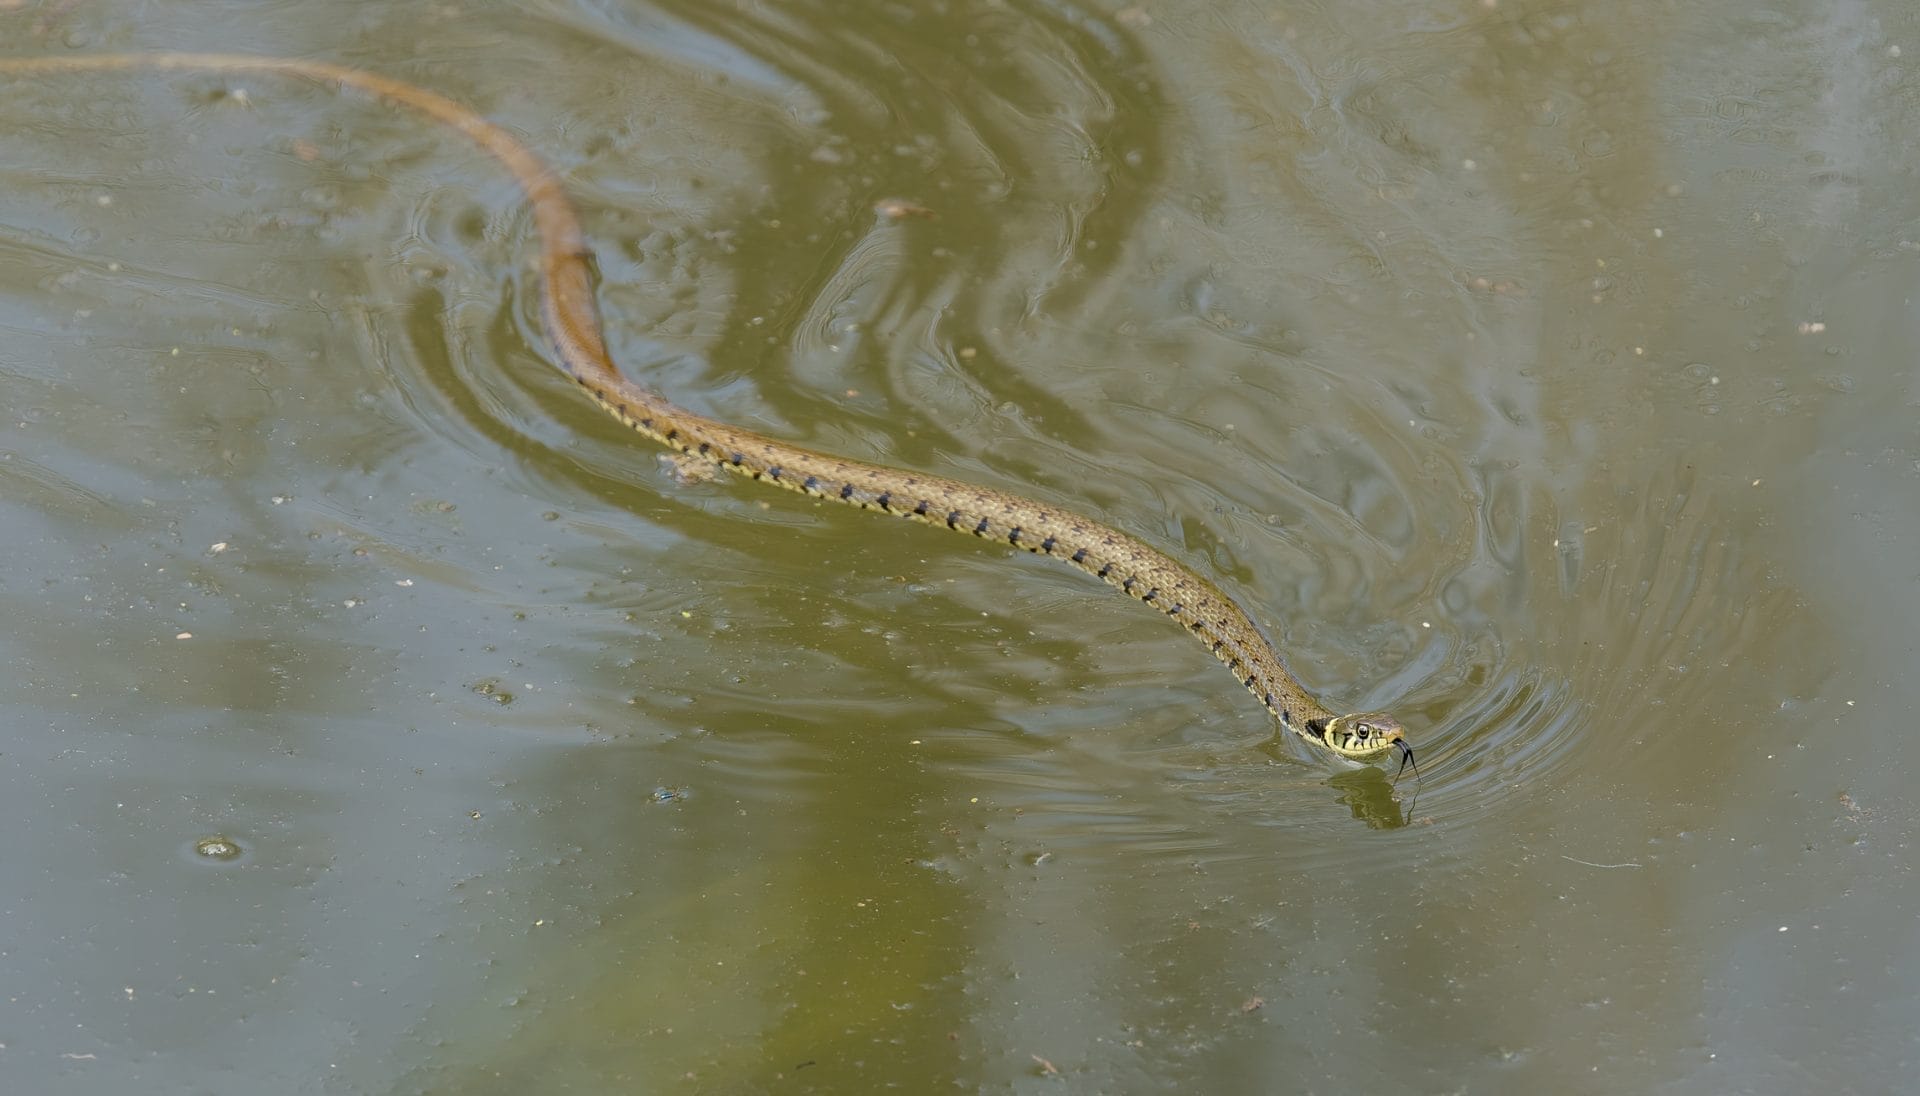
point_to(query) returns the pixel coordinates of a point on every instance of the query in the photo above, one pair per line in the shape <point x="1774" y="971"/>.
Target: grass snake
<point x="572" y="321"/>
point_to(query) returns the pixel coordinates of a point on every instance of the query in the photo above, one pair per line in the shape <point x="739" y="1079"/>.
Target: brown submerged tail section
<point x="571" y="316"/>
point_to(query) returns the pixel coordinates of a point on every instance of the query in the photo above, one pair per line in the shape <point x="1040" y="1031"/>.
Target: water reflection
<point x="1373" y="799"/>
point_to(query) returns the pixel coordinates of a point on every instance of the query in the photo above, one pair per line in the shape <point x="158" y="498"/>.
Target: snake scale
<point x="572" y="321"/>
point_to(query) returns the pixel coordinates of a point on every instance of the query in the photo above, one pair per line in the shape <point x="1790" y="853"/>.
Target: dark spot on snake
<point x="704" y="446"/>
<point x="885" y="501"/>
<point x="1267" y="700"/>
<point x="812" y="484"/>
<point x="1047" y="546"/>
<point x="1127" y="586"/>
<point x="738" y="458"/>
<point x="1217" y="644"/>
<point x="1286" y="717"/>
<point x="1150" y="594"/>
<point x="921" y="510"/>
<point x="774" y="472"/>
<point x="1318" y="728"/>
<point x="953" y="519"/>
<point x="1013" y="536"/>
<point x="1079" y="555"/>
<point x="1104" y="569"/>
<point x="646" y="424"/>
<point x="980" y="530"/>
<point x="846" y="490"/>
<point x="1175" y="611"/>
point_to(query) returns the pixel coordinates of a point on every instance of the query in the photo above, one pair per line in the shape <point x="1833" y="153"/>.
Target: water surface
<point x="384" y="717"/>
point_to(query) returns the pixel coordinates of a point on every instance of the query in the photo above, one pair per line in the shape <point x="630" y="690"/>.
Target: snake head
<point x="1367" y="736"/>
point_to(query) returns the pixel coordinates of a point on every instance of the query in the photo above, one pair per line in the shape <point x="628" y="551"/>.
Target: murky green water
<point x="384" y="718"/>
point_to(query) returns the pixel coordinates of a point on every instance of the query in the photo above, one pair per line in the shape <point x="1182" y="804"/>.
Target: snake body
<point x="572" y="321"/>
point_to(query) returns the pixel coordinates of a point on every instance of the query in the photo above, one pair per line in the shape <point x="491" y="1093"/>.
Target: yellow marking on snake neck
<point x="572" y="321"/>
